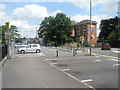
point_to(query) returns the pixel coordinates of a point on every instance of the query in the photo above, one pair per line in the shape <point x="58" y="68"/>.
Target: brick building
<point x="83" y="29"/>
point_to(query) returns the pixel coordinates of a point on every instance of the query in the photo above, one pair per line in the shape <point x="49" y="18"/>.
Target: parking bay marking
<point x="89" y="80"/>
<point x="116" y="64"/>
<point x="51" y="59"/>
<point x="98" y="60"/>
<point x="65" y="69"/>
<point x="72" y="76"/>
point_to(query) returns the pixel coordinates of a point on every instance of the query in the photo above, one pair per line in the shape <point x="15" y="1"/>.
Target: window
<point x="28" y="46"/>
<point x="34" y="45"/>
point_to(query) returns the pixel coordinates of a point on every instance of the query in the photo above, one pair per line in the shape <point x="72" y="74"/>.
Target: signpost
<point x="8" y="40"/>
<point x="82" y="38"/>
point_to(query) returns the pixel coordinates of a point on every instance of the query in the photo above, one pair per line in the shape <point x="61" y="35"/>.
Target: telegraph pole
<point x="90" y="24"/>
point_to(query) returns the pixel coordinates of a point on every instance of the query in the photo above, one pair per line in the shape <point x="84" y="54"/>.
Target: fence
<point x="3" y="51"/>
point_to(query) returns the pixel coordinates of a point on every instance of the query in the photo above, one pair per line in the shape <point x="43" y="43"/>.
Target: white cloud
<point x="24" y="28"/>
<point x="35" y="11"/>
<point x="30" y="11"/>
<point x="108" y="6"/>
<point x="96" y="18"/>
<point x="2" y="7"/>
<point x="2" y="13"/>
<point x="54" y="13"/>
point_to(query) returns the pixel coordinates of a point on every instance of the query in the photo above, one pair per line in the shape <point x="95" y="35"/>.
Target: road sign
<point x="91" y="30"/>
<point x="81" y="38"/>
<point x="7" y="24"/>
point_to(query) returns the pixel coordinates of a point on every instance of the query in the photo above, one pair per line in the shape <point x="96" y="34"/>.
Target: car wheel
<point x="22" y="51"/>
<point x="38" y="51"/>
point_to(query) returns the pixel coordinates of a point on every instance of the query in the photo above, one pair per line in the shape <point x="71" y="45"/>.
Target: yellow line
<point x="109" y="56"/>
<point x="106" y="55"/>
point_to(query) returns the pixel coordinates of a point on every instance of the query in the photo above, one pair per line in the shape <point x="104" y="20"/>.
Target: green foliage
<point x="110" y="31"/>
<point x="12" y="30"/>
<point x="56" y="29"/>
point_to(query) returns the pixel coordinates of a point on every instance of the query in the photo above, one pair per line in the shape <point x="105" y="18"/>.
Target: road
<point x="45" y="70"/>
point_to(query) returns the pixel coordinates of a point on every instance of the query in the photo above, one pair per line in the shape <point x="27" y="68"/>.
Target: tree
<point x="109" y="31"/>
<point x="3" y="31"/>
<point x="56" y="29"/>
<point x="12" y="30"/>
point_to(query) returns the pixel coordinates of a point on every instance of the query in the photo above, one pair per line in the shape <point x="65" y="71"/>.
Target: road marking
<point x="51" y="59"/>
<point x="53" y="63"/>
<point x="98" y="60"/>
<point x="116" y="60"/>
<point x="89" y="80"/>
<point x="116" y="64"/>
<point x="73" y="77"/>
<point x="116" y="51"/>
<point x="109" y="56"/>
<point x="104" y="55"/>
<point x="65" y="69"/>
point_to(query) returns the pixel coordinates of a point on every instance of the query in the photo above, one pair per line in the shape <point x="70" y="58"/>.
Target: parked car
<point x="18" y="46"/>
<point x="106" y="46"/>
<point x="30" y="48"/>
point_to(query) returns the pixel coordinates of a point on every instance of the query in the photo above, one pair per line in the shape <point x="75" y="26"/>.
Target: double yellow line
<point x="105" y="55"/>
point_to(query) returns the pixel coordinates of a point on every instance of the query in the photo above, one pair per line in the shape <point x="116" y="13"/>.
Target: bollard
<point x="57" y="52"/>
<point x="74" y="52"/>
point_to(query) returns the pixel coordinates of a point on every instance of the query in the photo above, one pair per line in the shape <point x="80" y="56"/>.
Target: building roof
<point x="74" y="22"/>
<point x="87" y="22"/>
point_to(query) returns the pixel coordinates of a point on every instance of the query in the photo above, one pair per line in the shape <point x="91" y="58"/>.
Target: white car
<point x="30" y="48"/>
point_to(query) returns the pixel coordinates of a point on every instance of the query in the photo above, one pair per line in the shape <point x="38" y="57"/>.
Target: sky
<point x="28" y="14"/>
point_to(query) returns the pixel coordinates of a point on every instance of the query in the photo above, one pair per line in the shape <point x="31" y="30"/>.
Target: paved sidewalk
<point x="31" y="71"/>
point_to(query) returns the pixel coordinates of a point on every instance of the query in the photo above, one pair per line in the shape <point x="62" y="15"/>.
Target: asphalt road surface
<point x="45" y="70"/>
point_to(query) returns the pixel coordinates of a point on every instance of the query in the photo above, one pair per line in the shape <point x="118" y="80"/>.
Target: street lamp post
<point x="90" y="24"/>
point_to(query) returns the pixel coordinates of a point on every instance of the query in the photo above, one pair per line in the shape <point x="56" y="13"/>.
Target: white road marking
<point x="116" y="64"/>
<point x="116" y="51"/>
<point x="31" y="55"/>
<point x="89" y="80"/>
<point x="53" y="63"/>
<point x="51" y="59"/>
<point x="65" y="69"/>
<point x="116" y="60"/>
<point x="73" y="77"/>
<point x="98" y="60"/>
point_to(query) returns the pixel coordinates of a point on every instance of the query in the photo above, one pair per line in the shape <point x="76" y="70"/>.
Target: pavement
<point x="31" y="71"/>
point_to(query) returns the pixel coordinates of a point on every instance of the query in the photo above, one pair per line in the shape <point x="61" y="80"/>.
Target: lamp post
<point x="90" y="24"/>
